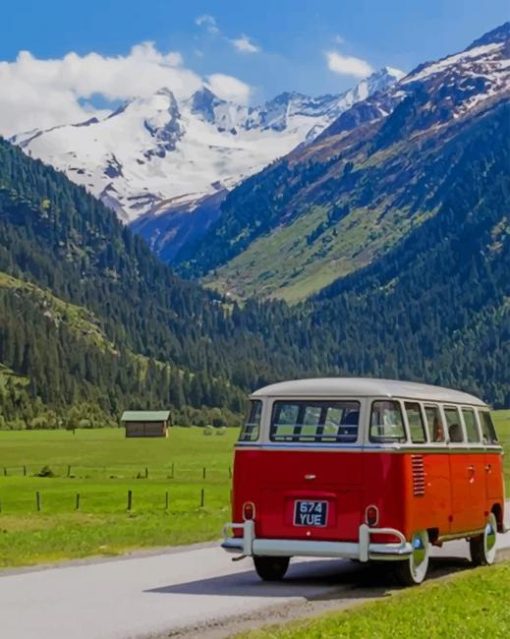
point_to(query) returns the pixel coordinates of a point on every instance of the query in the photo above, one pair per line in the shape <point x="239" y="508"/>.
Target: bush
<point x="221" y="431"/>
<point x="45" y="472"/>
<point x="208" y="430"/>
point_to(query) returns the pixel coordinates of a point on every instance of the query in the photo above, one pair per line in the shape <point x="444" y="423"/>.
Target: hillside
<point x="91" y="322"/>
<point x="89" y="315"/>
<point x="379" y="171"/>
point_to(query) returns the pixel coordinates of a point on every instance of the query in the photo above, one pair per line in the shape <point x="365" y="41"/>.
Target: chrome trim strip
<point x="333" y="448"/>
<point x="463" y="535"/>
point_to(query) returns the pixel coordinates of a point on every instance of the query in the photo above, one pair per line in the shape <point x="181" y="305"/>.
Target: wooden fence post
<point x="24" y="471"/>
<point x="69" y="471"/>
<point x="230" y="472"/>
<point x="77" y="505"/>
<point x="146" y="473"/>
<point x="172" y="474"/>
<point x="204" y="472"/>
<point x="129" y="499"/>
<point x="167" y="500"/>
<point x="38" y="501"/>
<point x="202" y="498"/>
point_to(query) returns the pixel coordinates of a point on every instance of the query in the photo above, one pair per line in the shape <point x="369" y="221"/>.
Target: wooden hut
<point x="147" y="423"/>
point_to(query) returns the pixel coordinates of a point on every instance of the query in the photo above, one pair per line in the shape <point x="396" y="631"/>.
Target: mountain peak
<point x="165" y="92"/>
<point x="495" y="36"/>
<point x="389" y="71"/>
<point x="203" y="102"/>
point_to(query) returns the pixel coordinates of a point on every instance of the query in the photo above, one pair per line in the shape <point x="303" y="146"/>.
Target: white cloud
<point x="208" y="22"/>
<point x="338" y="39"/>
<point x="245" y="45"/>
<point x="37" y="93"/>
<point x="229" y="88"/>
<point x="348" y="65"/>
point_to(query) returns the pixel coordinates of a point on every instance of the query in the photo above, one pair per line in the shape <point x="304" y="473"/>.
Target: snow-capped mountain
<point x="445" y="89"/>
<point x="155" y="153"/>
<point x="381" y="170"/>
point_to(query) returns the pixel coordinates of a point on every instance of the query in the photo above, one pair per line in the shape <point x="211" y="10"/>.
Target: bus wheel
<point x="271" y="568"/>
<point x="483" y="547"/>
<point x="413" y="571"/>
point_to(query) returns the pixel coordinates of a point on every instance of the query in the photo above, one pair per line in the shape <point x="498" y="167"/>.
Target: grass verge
<point x="468" y="605"/>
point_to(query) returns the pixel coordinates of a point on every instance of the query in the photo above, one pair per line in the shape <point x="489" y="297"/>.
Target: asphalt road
<point x="156" y="594"/>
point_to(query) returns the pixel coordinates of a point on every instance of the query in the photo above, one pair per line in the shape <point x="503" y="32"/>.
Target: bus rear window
<point x="315" y="421"/>
<point x="386" y="422"/>
<point x="251" y="429"/>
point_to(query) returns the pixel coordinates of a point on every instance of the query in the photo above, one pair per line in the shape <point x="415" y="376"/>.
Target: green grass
<point x="470" y="605"/>
<point x="104" y="465"/>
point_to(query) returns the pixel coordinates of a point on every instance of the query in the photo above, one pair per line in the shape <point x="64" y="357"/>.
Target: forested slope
<point x="91" y="323"/>
<point x="145" y="338"/>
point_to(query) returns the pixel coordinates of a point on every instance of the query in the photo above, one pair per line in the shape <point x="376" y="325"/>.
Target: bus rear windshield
<point x="315" y="421"/>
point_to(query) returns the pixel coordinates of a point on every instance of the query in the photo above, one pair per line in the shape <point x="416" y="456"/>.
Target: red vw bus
<point x="367" y="469"/>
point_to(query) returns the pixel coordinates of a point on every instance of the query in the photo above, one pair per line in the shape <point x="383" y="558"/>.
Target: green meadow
<point x="179" y="487"/>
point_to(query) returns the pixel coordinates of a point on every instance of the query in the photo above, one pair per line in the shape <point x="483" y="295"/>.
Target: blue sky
<point x="78" y="58"/>
<point x="292" y="35"/>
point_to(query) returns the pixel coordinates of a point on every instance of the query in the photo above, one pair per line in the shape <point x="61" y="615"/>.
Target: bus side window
<point x="473" y="436"/>
<point x="415" y="421"/>
<point x="435" y="424"/>
<point x="454" y="426"/>
<point x="386" y="422"/>
<point x="488" y="431"/>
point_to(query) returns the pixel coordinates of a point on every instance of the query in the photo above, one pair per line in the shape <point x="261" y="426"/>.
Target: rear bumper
<point x="362" y="550"/>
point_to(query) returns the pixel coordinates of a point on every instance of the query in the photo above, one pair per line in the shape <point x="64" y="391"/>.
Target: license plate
<point x="310" y="513"/>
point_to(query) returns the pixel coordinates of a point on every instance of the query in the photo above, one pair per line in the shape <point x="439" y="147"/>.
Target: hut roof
<point x="145" y="416"/>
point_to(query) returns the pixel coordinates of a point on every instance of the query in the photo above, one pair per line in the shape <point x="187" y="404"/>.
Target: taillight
<point x="248" y="510"/>
<point x="372" y="515"/>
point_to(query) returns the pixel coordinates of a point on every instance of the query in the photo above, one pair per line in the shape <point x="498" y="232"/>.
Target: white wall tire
<point x="413" y="571"/>
<point x="483" y="548"/>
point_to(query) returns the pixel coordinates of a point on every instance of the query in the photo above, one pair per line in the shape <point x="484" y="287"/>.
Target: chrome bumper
<point x="362" y="550"/>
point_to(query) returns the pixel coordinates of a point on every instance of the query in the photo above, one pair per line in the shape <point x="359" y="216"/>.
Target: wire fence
<point x="121" y="502"/>
<point x="118" y="471"/>
<point x="68" y="488"/>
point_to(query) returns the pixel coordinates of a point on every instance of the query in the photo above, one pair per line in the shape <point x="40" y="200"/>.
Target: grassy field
<point x="101" y="466"/>
<point x="473" y="604"/>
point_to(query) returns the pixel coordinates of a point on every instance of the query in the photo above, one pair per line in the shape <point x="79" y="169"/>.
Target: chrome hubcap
<point x="490" y="534"/>
<point x="420" y="556"/>
<point x="419" y="552"/>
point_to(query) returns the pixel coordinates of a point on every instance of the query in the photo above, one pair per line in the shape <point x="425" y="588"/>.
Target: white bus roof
<point x="365" y="387"/>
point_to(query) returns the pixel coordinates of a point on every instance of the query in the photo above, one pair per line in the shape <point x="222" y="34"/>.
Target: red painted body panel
<point x="449" y="492"/>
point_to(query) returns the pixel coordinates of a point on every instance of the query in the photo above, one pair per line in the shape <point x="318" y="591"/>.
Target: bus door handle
<point x="488" y="468"/>
<point x="310" y="477"/>
<point x="471" y="472"/>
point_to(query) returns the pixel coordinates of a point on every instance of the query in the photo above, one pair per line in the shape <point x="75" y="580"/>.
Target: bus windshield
<point x="315" y="421"/>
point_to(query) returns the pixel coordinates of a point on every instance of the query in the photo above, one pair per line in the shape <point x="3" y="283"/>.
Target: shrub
<point x="45" y="472"/>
